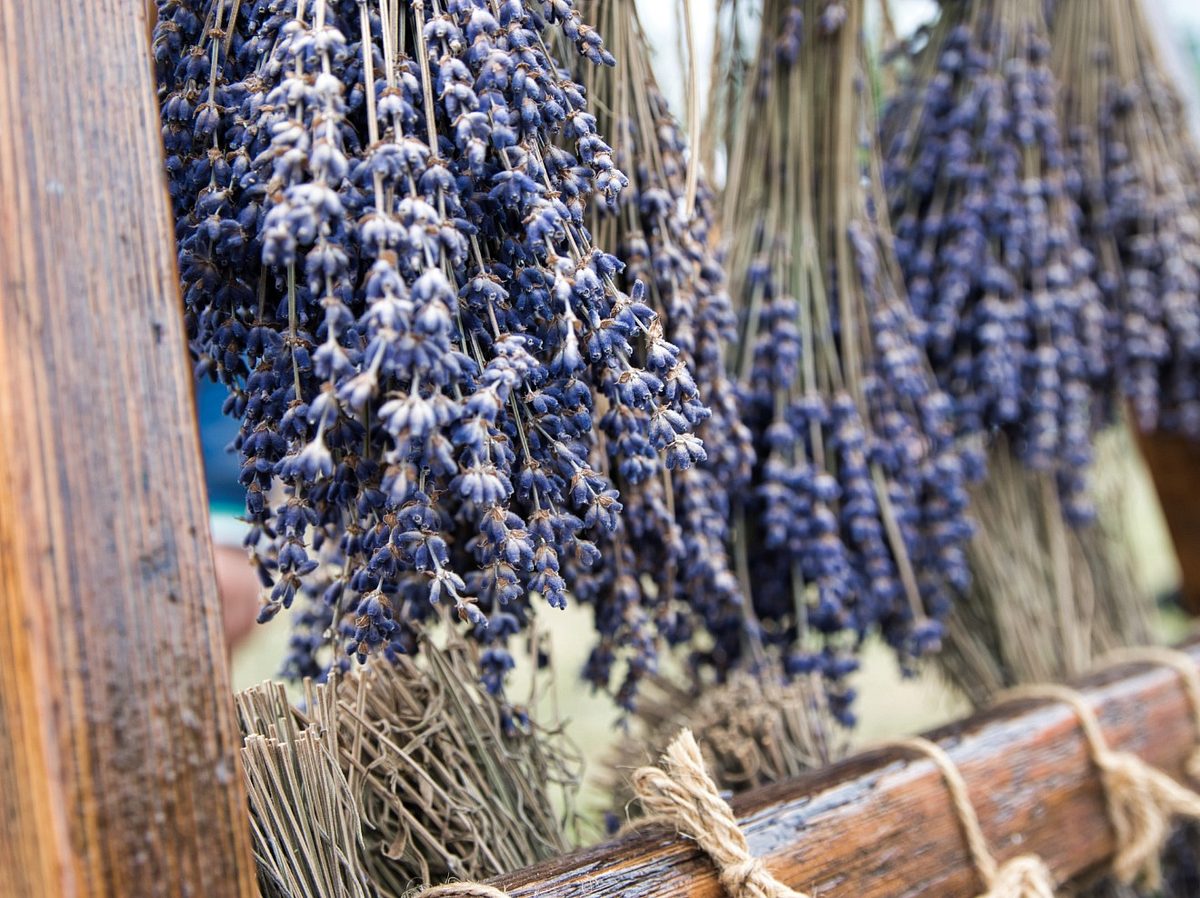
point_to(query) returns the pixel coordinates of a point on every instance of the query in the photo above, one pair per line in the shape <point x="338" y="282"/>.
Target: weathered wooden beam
<point x="881" y="826"/>
<point x="119" y="772"/>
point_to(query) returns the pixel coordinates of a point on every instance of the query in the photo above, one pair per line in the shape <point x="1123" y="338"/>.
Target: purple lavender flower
<point x="987" y="238"/>
<point x="1137" y="181"/>
<point x="382" y="246"/>
<point x="665" y="571"/>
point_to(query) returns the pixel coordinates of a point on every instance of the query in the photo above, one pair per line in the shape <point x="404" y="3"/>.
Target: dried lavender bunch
<point x="384" y="258"/>
<point x="1047" y="600"/>
<point x="666" y="567"/>
<point x="987" y="238"/>
<point x="1138" y="185"/>
<point x="754" y="729"/>
<point x="856" y="521"/>
<point x="392" y="761"/>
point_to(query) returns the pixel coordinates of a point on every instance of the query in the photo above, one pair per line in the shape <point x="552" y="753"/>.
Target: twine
<point x="683" y="793"/>
<point x="1141" y="800"/>
<point x="463" y="890"/>
<point x="1026" y="876"/>
<point x="1182" y="664"/>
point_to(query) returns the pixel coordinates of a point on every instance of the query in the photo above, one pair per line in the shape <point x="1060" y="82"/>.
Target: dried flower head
<point x="666" y="568"/>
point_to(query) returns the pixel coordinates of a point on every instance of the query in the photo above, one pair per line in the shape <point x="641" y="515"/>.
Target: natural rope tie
<point x="1141" y="800"/>
<point x="1189" y="674"/>
<point x="684" y="795"/>
<point x="1026" y="876"/>
<point x="462" y="890"/>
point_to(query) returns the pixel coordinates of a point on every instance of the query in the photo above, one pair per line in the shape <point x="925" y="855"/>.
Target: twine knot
<point x="682" y="793"/>
<point x="1141" y="803"/>
<point x="738" y="876"/>
<point x="1141" y="800"/>
<point x="1026" y="876"/>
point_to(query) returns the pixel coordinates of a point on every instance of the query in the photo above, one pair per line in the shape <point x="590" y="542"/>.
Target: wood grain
<point x="119" y="774"/>
<point x="880" y="825"/>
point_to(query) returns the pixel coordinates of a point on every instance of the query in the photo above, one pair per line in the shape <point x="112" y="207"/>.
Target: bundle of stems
<point x="754" y="729"/>
<point x="990" y="243"/>
<point x="1138" y="187"/>
<point x="307" y="832"/>
<point x="1047" y="600"/>
<point x="399" y="775"/>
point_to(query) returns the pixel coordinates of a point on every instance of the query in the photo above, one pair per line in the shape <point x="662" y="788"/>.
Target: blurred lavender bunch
<point x="666" y="568"/>
<point x="987" y="238"/>
<point x="384" y="256"/>
<point x="856" y="520"/>
<point x="1138" y="184"/>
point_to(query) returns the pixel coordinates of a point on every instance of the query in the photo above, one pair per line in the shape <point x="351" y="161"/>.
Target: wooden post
<point x="1174" y="463"/>
<point x="881" y="825"/>
<point x="119" y="774"/>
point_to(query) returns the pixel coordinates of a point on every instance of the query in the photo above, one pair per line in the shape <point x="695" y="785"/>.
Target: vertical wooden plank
<point x="118" y="766"/>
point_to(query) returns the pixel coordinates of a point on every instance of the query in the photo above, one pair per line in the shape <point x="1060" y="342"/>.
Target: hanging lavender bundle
<point x="1138" y="184"/>
<point x="384" y="259"/>
<point x="668" y="556"/>
<point x="987" y="238"/>
<point x="754" y="729"/>
<point x="856" y="519"/>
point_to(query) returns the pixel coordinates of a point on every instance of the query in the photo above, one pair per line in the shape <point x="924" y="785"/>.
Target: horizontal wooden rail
<point x="880" y="825"/>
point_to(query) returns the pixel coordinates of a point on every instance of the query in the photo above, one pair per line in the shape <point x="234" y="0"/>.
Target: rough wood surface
<point x="118" y="767"/>
<point x="880" y="825"/>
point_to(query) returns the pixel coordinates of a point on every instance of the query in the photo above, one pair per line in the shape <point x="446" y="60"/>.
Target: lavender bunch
<point x="1138" y="184"/>
<point x="987" y="238"/>
<point x="856" y="520"/>
<point x="666" y="567"/>
<point x="381" y="220"/>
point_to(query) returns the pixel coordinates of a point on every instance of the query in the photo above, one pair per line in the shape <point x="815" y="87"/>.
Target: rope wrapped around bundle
<point x="683" y="794"/>
<point x="1189" y="675"/>
<point x="462" y="890"/>
<point x="1025" y="876"/>
<point x="1141" y="800"/>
